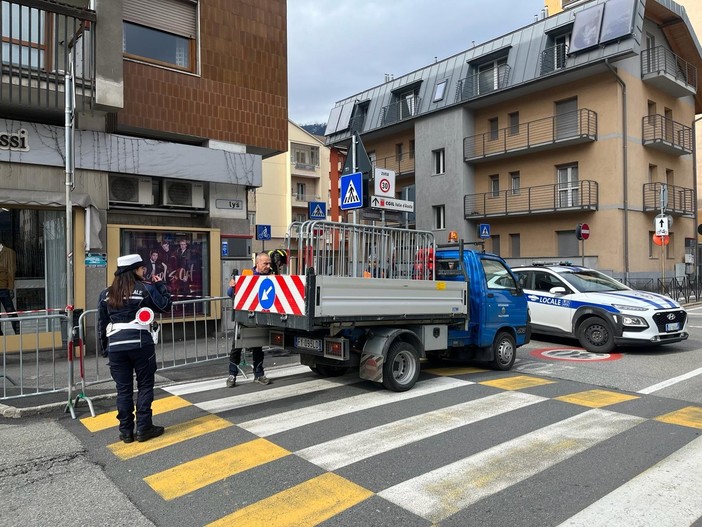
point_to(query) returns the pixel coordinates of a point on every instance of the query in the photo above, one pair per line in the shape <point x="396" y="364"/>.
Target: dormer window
<point x="404" y="104"/>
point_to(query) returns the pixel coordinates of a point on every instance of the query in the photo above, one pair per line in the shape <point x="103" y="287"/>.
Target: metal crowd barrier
<point x="195" y="331"/>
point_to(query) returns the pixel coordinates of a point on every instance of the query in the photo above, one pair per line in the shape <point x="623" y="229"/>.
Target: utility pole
<point x="70" y="104"/>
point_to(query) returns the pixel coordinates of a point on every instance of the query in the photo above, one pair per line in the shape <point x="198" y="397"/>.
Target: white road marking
<point x="667" y="494"/>
<point x="438" y="494"/>
<point x="343" y="451"/>
<point x="267" y="426"/>
<point x="671" y="381"/>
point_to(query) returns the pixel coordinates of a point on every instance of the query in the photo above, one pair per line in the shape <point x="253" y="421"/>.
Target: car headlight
<point x="636" y="322"/>
<point x="623" y="307"/>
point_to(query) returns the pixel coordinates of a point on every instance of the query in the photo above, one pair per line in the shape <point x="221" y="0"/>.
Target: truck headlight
<point x="635" y="322"/>
<point x="623" y="307"/>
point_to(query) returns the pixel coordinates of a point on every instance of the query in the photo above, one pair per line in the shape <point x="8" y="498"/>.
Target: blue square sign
<point x="484" y="230"/>
<point x="317" y="210"/>
<point x="352" y="191"/>
<point x="263" y="232"/>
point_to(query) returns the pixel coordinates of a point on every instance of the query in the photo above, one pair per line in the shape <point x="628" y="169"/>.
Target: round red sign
<point x="585" y="231"/>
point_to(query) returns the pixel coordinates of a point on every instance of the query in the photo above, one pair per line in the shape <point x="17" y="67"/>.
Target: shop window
<point x="182" y="260"/>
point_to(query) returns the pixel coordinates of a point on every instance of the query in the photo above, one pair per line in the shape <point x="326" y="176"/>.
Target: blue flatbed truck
<point x="413" y="300"/>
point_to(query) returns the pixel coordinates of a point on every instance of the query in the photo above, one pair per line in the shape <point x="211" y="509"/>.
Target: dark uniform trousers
<point x="123" y="365"/>
<point x="235" y="359"/>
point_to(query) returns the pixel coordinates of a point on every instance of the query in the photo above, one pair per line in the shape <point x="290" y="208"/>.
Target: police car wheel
<point x="595" y="335"/>
<point x="504" y="351"/>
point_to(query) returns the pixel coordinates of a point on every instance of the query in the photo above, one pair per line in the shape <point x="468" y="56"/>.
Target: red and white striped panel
<point x="289" y="294"/>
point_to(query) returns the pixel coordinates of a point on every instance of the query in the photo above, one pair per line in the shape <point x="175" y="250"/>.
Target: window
<point x="652" y="172"/>
<point x="515" y="181"/>
<point x="497" y="275"/>
<point x="495" y="244"/>
<point x="514" y="123"/>
<point x="408" y="105"/>
<point x="669" y="177"/>
<point x="515" y="245"/>
<point x="495" y="186"/>
<point x="305" y="156"/>
<point x="439" y="90"/>
<point x="668" y="125"/>
<point x="439" y="161"/>
<point x="560" y="50"/>
<point x="439" y="217"/>
<point x="411" y="148"/>
<point x="568" y="244"/>
<point x="568" y="187"/>
<point x="566" y="119"/>
<point x="398" y="152"/>
<point x="493" y="127"/>
<point x="300" y="191"/>
<point x="167" y="40"/>
<point x="23" y="36"/>
<point x="490" y="76"/>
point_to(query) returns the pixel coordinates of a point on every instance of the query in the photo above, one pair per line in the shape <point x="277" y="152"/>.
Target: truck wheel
<point x="401" y="368"/>
<point x="325" y="370"/>
<point x="504" y="351"/>
<point x="595" y="335"/>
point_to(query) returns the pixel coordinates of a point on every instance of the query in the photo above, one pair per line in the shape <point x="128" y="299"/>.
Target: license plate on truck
<point x="307" y="343"/>
<point x="673" y="326"/>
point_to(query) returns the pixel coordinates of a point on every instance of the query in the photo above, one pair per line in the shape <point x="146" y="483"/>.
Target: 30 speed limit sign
<point x="384" y="182"/>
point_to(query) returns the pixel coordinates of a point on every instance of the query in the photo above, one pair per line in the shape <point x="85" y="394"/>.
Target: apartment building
<point x="177" y="103"/>
<point x="581" y="117"/>
<point x="295" y="187"/>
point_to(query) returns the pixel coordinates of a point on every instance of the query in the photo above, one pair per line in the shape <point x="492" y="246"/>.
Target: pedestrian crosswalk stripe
<point x="518" y="382"/>
<point x="690" y="416"/>
<point x="174" y="434"/>
<point x="198" y="473"/>
<point x="267" y="426"/>
<point x="596" y="398"/>
<point x="438" y="494"/>
<point x="109" y="419"/>
<point x="309" y="503"/>
<point x="248" y="399"/>
<point x="343" y="451"/>
<point x="666" y="495"/>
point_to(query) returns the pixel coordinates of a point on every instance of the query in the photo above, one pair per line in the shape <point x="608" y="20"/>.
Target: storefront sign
<point x="17" y="141"/>
<point x="95" y="260"/>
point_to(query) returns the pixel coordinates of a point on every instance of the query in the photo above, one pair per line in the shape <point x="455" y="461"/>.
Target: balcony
<point x="402" y="164"/>
<point x="482" y="83"/>
<point x="301" y="200"/>
<point x="667" y="135"/>
<point x="542" y="199"/>
<point x="36" y="44"/>
<point x="553" y="58"/>
<point x="668" y="72"/>
<point x="681" y="200"/>
<point x="558" y="131"/>
<point x="399" y="110"/>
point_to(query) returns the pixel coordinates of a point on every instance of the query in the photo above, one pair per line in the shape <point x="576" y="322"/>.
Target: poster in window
<point x="586" y="28"/>
<point x="180" y="259"/>
<point x="618" y="20"/>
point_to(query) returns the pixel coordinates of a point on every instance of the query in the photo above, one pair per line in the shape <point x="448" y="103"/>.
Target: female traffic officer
<point x="125" y="312"/>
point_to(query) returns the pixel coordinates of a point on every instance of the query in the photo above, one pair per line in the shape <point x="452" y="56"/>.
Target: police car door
<point x="549" y="309"/>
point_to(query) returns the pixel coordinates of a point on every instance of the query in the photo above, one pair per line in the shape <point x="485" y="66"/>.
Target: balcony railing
<point x="36" y="44"/>
<point x="667" y="135"/>
<point x="681" y="200"/>
<point x="402" y="164"/>
<point x="542" y="199"/>
<point x="551" y="132"/>
<point x="553" y="58"/>
<point x="306" y="198"/>
<point x="304" y="166"/>
<point x="400" y="110"/>
<point x="669" y="72"/>
<point x="482" y="83"/>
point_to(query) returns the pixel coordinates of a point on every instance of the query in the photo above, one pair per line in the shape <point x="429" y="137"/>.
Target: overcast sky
<point x="337" y="48"/>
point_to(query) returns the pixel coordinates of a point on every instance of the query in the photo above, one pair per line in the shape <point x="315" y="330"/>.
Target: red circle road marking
<point x="573" y="354"/>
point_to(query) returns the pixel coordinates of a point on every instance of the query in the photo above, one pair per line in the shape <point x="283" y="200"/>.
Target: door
<point x="501" y="290"/>
<point x="568" y="187"/>
<point x="566" y="119"/>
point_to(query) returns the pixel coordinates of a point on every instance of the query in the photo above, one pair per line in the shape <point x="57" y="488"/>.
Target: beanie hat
<point x="128" y="262"/>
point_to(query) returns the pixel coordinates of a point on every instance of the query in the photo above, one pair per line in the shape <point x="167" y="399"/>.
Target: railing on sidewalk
<point x="194" y="331"/>
<point x="684" y="289"/>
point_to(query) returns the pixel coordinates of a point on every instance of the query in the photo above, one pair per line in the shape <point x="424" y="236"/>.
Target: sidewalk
<point x="42" y="404"/>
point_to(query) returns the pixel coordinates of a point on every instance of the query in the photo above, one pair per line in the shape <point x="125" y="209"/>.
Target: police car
<point x="571" y="301"/>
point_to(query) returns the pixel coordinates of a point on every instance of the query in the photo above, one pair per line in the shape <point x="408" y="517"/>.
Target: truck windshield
<point x="591" y="281"/>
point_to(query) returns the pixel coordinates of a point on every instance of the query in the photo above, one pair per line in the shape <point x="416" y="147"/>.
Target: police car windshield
<point x="590" y="281"/>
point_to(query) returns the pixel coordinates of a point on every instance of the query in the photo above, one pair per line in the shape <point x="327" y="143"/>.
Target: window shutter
<point x="172" y="16"/>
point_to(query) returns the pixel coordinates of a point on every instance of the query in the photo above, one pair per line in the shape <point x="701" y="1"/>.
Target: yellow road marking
<point x="109" y="419"/>
<point x="309" y="503"/>
<point x="518" y="382"/>
<point x="596" y="398"/>
<point x="198" y="473"/>
<point x="453" y="371"/>
<point x="174" y="434"/>
<point x="690" y="416"/>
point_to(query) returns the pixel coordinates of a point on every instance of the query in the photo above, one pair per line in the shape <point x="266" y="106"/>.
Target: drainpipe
<point x="625" y="139"/>
<point x="694" y="181"/>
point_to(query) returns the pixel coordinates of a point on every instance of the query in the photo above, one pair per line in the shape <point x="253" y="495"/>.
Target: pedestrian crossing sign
<point x="484" y="230"/>
<point x="352" y="191"/>
<point x="317" y="210"/>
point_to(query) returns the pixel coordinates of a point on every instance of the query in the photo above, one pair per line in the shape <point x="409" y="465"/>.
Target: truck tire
<point x="504" y="351"/>
<point x="595" y="335"/>
<point x="401" y="368"/>
<point x="325" y="370"/>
